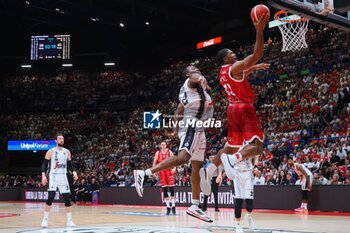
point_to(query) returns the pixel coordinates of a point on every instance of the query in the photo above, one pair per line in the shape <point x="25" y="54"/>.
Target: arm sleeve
<point x="45" y="165"/>
<point x="70" y="165"/>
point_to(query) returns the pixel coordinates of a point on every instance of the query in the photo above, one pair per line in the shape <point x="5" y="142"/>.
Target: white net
<point x="293" y="35"/>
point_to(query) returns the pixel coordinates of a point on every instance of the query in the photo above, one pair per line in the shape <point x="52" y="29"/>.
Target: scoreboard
<point x="50" y="47"/>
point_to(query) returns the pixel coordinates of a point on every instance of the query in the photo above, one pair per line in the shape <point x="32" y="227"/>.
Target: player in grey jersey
<point x="244" y="190"/>
<point x="56" y="162"/>
<point x="195" y="106"/>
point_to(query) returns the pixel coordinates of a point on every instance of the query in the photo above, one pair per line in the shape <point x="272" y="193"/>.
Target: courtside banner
<point x="31" y="145"/>
<point x="216" y="40"/>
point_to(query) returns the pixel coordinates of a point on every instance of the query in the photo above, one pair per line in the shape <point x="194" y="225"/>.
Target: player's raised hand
<point x="43" y="180"/>
<point x="262" y="66"/>
<point x="260" y="25"/>
<point x="205" y="84"/>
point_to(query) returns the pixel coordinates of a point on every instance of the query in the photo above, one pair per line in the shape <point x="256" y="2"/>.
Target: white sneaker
<point x="239" y="229"/>
<point x="139" y="176"/>
<point x="229" y="161"/>
<point x="205" y="181"/>
<point x="70" y="223"/>
<point x="250" y="221"/>
<point x="196" y="212"/>
<point x="45" y="223"/>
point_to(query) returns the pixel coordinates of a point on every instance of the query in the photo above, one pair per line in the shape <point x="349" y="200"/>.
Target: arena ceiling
<point x="175" y="26"/>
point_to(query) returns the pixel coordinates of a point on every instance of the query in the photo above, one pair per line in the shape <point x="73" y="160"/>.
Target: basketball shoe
<point x="249" y="219"/>
<point x="139" y="176"/>
<point x="205" y="182"/>
<point x="229" y="161"/>
<point x="70" y="223"/>
<point x="239" y="229"/>
<point x="45" y="223"/>
<point x="196" y="212"/>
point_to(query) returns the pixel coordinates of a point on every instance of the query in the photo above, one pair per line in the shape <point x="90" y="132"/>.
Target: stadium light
<point x="67" y="65"/>
<point x="121" y="25"/>
<point x="147" y="23"/>
<point x="26" y="66"/>
<point x="109" y="64"/>
<point x="94" y="19"/>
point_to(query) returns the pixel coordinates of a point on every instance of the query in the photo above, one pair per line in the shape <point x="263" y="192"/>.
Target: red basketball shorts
<point x="243" y="125"/>
<point x="166" y="178"/>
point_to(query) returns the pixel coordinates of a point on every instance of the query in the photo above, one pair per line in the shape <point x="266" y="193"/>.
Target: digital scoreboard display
<point x="48" y="47"/>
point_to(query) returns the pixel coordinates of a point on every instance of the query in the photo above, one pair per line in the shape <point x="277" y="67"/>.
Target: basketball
<point x="258" y="11"/>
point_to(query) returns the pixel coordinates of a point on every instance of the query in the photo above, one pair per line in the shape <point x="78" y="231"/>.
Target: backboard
<point x="329" y="12"/>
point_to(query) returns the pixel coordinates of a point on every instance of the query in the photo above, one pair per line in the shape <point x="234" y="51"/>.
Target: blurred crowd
<point x="303" y="102"/>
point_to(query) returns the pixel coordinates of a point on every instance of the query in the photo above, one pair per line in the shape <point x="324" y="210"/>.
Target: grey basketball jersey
<point x="196" y="101"/>
<point x="58" y="163"/>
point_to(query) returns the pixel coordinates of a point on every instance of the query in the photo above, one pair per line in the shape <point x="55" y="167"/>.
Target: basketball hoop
<point x="293" y="31"/>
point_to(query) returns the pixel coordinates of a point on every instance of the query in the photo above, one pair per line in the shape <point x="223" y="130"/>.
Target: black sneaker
<point x="173" y="210"/>
<point x="168" y="210"/>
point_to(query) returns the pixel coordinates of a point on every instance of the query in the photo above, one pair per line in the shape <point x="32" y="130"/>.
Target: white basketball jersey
<point x="196" y="101"/>
<point x="302" y="167"/>
<point x="58" y="162"/>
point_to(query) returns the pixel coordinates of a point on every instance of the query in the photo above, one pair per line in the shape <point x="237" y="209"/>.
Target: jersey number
<point x="228" y="89"/>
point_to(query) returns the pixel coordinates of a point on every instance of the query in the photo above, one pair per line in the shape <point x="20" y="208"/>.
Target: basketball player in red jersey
<point x="245" y="135"/>
<point x="167" y="179"/>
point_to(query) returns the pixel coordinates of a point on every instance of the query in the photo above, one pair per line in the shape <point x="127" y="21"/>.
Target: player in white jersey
<point x="56" y="162"/>
<point x="195" y="105"/>
<point x="244" y="190"/>
<point x="306" y="179"/>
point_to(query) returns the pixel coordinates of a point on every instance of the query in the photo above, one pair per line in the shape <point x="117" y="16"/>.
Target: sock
<point x="195" y="202"/>
<point x="148" y="172"/>
<point x="238" y="222"/>
<point x="302" y="205"/>
<point x="249" y="215"/>
<point x="46" y="215"/>
<point x="69" y="216"/>
<point x="211" y="169"/>
<point x="173" y="202"/>
<point x="167" y="203"/>
<point x="305" y="205"/>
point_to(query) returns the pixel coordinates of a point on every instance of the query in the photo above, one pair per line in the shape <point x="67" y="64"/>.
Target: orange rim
<point x="285" y="13"/>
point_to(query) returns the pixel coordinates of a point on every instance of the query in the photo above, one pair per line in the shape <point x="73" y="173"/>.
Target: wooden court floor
<point x="26" y="217"/>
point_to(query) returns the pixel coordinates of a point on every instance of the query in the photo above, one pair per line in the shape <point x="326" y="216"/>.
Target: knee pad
<point x="249" y="205"/>
<point x="50" y="198"/>
<point x="66" y="199"/>
<point x="165" y="192"/>
<point x="304" y="195"/>
<point x="172" y="191"/>
<point x="238" y="208"/>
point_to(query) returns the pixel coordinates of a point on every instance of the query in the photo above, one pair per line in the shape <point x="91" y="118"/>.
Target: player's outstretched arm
<point x="261" y="66"/>
<point x="239" y="66"/>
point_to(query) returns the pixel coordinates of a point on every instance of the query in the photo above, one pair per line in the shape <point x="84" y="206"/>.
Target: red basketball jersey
<point x="162" y="156"/>
<point x="237" y="91"/>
